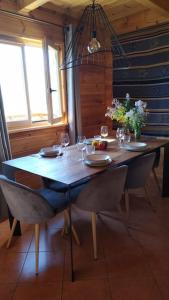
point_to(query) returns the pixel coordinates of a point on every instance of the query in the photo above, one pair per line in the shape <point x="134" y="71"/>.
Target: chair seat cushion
<point x="61" y="187"/>
<point x="58" y="201"/>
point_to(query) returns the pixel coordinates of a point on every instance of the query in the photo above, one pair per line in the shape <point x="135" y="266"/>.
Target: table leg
<point x="165" y="187"/>
<point x="10" y="173"/>
<point x="70" y="238"/>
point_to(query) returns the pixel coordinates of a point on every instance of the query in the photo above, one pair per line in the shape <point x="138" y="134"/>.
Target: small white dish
<point x="98" y="163"/>
<point x="49" y="152"/>
<point x="135" y="146"/>
<point x="98" y="158"/>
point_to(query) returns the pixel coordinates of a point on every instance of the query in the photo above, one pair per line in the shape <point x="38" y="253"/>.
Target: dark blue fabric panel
<point x="158" y="118"/>
<point x="144" y="74"/>
<point x="140" y="91"/>
<point x="158" y="104"/>
<point x="146" y="59"/>
<point x="150" y="43"/>
<point x="147" y="75"/>
<point x="156" y="130"/>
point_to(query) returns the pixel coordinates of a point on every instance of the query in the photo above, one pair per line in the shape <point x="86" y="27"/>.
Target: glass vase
<point x="137" y="133"/>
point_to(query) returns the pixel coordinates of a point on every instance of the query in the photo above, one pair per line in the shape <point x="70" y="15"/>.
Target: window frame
<point x="44" y="43"/>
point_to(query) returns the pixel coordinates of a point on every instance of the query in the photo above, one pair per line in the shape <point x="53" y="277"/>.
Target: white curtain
<point x="5" y="154"/>
<point x="73" y="94"/>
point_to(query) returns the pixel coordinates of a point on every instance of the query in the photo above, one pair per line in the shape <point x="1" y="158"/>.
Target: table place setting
<point x="53" y="151"/>
<point x="135" y="146"/>
<point x="97" y="160"/>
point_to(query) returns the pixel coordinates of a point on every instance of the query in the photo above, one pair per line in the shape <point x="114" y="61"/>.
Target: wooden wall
<point x="29" y="142"/>
<point x="139" y="20"/>
<point x="95" y="95"/>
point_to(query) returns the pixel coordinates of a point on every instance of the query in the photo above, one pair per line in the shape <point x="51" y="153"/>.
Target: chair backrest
<point x="139" y="171"/>
<point x="104" y="192"/>
<point x="25" y="204"/>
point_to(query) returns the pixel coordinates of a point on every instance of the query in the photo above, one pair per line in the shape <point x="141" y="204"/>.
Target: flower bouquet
<point x="131" y="116"/>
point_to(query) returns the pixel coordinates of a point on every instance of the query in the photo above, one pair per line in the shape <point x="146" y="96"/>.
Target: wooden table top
<point x="69" y="169"/>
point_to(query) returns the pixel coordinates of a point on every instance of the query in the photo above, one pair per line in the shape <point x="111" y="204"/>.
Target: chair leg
<point x="127" y="206"/>
<point x="148" y="199"/>
<point x="75" y="235"/>
<point x="11" y="233"/>
<point x="156" y="180"/>
<point x="66" y="222"/>
<point x="94" y="234"/>
<point x="46" y="226"/>
<point x="37" y="233"/>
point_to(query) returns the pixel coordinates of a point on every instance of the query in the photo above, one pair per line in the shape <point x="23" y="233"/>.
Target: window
<point x="28" y="99"/>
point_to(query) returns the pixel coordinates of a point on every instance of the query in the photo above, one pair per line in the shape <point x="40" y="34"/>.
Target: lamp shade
<point x="93" y="37"/>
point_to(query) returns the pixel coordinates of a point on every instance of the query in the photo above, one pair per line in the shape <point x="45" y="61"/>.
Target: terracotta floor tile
<point x="50" y="240"/>
<point x="128" y="264"/>
<point x="38" y="291"/>
<point x="19" y="243"/>
<point x="132" y="265"/>
<point x="85" y="250"/>
<point x="159" y="263"/>
<point x="134" y="289"/>
<point x="10" y="266"/>
<point x="7" y="291"/>
<point x="50" y="268"/>
<point x="85" y="268"/>
<point x="82" y="290"/>
<point x="162" y="282"/>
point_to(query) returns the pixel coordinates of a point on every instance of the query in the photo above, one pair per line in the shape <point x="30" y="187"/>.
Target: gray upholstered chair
<point x="60" y="187"/>
<point x="32" y="207"/>
<point x="139" y="171"/>
<point x="102" y="193"/>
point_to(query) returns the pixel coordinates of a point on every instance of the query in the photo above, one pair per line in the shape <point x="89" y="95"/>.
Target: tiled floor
<point x="133" y="262"/>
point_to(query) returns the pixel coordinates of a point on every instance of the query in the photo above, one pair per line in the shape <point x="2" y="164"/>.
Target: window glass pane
<point x="36" y="83"/>
<point x="54" y="82"/>
<point x="12" y="83"/>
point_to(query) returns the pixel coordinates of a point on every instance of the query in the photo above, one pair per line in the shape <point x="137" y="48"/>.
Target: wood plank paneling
<point x="29" y="142"/>
<point x="95" y="95"/>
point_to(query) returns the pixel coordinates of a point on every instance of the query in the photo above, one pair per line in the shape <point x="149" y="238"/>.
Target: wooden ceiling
<point x="115" y="9"/>
<point x="125" y="15"/>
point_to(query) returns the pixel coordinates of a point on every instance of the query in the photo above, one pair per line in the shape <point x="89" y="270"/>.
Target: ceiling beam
<point x="25" y="6"/>
<point x="162" y="6"/>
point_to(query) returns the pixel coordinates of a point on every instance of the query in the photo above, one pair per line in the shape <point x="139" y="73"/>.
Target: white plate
<point x="98" y="158"/>
<point x="135" y="146"/>
<point x="138" y="144"/>
<point x="50" y="154"/>
<point x="98" y="163"/>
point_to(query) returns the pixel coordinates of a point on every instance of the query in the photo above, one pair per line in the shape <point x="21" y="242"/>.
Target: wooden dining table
<point x="70" y="169"/>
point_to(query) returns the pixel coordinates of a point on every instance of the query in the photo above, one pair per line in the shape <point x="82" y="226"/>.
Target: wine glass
<point x="121" y="135"/>
<point x="117" y="133"/>
<point x="64" y="139"/>
<point x="81" y="145"/>
<point x="104" y="131"/>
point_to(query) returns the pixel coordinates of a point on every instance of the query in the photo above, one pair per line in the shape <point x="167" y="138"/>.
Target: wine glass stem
<point x="82" y="154"/>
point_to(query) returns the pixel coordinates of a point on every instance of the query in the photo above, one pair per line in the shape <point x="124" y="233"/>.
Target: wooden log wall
<point x="139" y="20"/>
<point x="29" y="142"/>
<point x="95" y="95"/>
